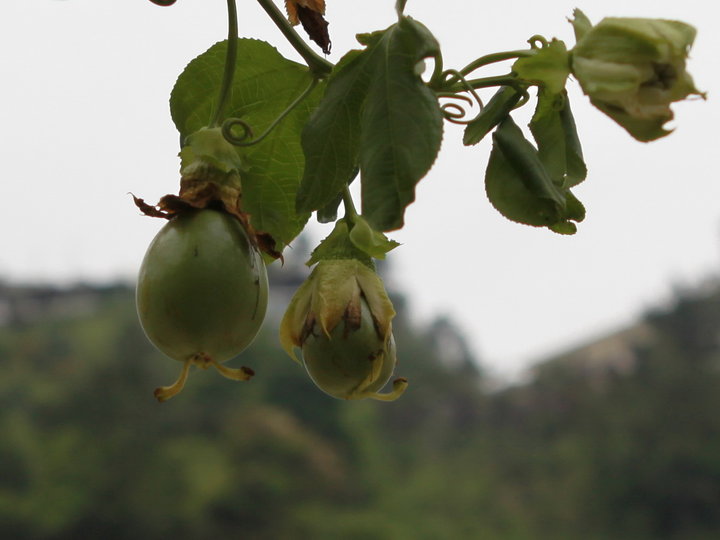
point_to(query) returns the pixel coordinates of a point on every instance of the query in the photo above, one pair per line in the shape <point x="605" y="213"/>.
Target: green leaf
<point x="510" y="196"/>
<point x="549" y="67"/>
<point x="265" y="84"/>
<point x="554" y="131"/>
<point x="329" y="212"/>
<point x="401" y="124"/>
<point x="576" y="170"/>
<point x="519" y="186"/>
<point x="331" y="138"/>
<point x="372" y="242"/>
<point x="494" y="112"/>
<point x="524" y="159"/>
<point x="376" y="113"/>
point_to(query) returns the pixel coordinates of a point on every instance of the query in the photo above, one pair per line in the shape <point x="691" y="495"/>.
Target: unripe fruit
<point x="202" y="291"/>
<point x="354" y="362"/>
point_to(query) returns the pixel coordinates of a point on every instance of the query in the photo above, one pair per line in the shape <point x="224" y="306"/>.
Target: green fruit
<point x="202" y="289"/>
<point x="353" y="362"/>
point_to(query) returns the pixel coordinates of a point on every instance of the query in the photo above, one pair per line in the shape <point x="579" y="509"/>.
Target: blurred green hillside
<point x="617" y="440"/>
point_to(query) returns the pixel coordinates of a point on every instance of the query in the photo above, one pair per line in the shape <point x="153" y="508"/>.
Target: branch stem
<point x="495" y="57"/>
<point x="317" y="64"/>
<point x="485" y="82"/>
<point x="230" y="61"/>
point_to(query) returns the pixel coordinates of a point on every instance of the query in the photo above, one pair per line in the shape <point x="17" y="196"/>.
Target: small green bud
<point x="341" y="320"/>
<point x="633" y="69"/>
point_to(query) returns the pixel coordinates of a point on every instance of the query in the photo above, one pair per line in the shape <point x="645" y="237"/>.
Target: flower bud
<point x="633" y="69"/>
<point x="341" y="320"/>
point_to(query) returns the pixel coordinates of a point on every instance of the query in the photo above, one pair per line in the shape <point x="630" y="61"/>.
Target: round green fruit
<point x="202" y="290"/>
<point x="354" y="362"/>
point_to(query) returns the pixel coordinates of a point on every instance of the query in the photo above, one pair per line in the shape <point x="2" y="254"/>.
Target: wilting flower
<point x="341" y="320"/>
<point x="633" y="69"/>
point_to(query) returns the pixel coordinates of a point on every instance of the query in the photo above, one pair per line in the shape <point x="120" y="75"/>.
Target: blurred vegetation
<point x="624" y="447"/>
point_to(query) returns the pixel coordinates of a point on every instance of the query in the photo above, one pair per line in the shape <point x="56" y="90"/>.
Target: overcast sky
<point x="85" y="120"/>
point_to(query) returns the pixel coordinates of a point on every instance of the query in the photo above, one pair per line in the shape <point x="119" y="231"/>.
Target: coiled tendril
<point x="457" y="113"/>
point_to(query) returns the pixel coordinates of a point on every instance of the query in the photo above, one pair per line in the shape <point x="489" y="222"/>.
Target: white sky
<point x="84" y="116"/>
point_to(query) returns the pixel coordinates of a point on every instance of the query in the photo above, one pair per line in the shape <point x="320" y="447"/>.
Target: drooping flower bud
<point x="633" y="69"/>
<point x="341" y="320"/>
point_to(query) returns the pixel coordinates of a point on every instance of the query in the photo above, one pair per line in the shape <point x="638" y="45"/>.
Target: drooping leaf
<point x="329" y="212"/>
<point x="510" y="196"/>
<point x="494" y="112"/>
<point x="549" y="67"/>
<point x="522" y="156"/>
<point x="376" y="113"/>
<point x="553" y="128"/>
<point x="265" y="84"/>
<point x="520" y="187"/>
<point x="401" y="124"/>
<point x="331" y="138"/>
<point x="576" y="169"/>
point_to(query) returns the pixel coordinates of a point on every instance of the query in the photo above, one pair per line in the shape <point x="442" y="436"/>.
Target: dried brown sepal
<point x="310" y="13"/>
<point x="291" y="6"/>
<point x="316" y="27"/>
<point x="209" y="195"/>
<point x="267" y="244"/>
<point x="148" y="210"/>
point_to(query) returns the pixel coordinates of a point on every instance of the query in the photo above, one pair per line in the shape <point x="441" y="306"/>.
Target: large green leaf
<point x="265" y="84"/>
<point x="402" y="124"/>
<point x="377" y="113"/>
<point x="331" y="138"/>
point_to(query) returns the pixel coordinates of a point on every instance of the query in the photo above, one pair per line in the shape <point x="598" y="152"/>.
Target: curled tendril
<point x="456" y="112"/>
<point x="163" y="2"/>
<point x="245" y="139"/>
<point x="538" y="42"/>
<point x="238" y="140"/>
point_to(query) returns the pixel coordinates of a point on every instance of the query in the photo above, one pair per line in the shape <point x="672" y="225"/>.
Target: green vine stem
<point x="494" y="58"/>
<point x="400" y="8"/>
<point x="350" y="212"/>
<point x="317" y="64"/>
<point x="230" y="61"/>
<point x="486" y="82"/>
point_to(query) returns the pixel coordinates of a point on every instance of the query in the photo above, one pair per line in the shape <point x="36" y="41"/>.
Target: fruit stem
<point x="317" y="64"/>
<point x="166" y="392"/>
<point x="230" y="61"/>
<point x="240" y="374"/>
<point x="399" y="387"/>
<point x="350" y="211"/>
